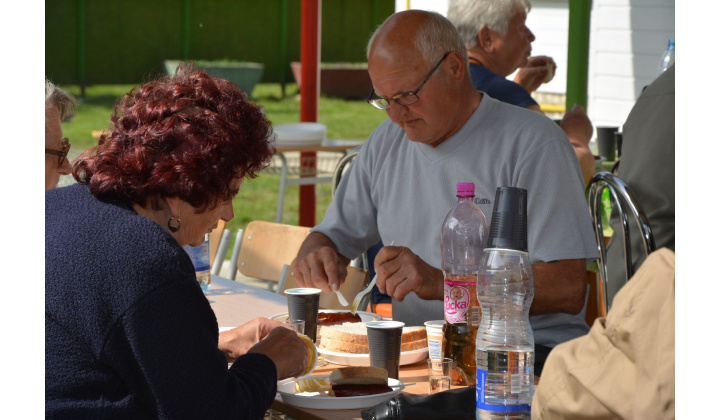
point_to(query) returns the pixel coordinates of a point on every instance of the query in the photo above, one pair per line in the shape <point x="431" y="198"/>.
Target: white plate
<point x="286" y="389"/>
<point x="364" y="316"/>
<point x="350" y="359"/>
<point x="305" y="133"/>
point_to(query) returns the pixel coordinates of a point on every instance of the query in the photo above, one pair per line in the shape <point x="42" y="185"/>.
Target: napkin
<point x="455" y="404"/>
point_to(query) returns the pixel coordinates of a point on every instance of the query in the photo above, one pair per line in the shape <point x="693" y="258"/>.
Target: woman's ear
<point x="173" y="206"/>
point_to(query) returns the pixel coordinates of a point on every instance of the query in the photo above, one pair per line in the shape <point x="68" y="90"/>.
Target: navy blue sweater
<point x="128" y="332"/>
<point x="499" y="87"/>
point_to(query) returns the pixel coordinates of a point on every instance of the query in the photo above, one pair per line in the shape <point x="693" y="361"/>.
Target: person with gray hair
<point x="58" y="106"/>
<point x="400" y="187"/>
<point x="498" y="43"/>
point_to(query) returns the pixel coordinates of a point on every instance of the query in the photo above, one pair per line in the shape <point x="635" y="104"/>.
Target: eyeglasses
<point x="65" y="144"/>
<point x="402" y="98"/>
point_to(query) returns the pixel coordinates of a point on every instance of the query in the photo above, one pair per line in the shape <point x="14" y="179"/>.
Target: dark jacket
<point x="128" y="332"/>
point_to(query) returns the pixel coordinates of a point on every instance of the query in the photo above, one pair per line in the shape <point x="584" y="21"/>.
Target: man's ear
<point x="457" y="65"/>
<point x="485" y="38"/>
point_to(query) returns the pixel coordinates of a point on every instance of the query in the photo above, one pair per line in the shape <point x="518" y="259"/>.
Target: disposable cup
<point x="303" y="304"/>
<point x="606" y="142"/>
<point x="384" y="341"/>
<point x="434" y="338"/>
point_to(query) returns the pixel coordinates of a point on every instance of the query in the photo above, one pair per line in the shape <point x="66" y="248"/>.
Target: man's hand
<point x="400" y="272"/>
<point x="319" y="265"/>
<point x="577" y="125"/>
<point x="236" y="342"/>
<point x="535" y="72"/>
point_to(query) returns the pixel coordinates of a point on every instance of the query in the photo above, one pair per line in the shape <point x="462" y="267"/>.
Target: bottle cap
<point x="465" y="189"/>
<point x="508" y="228"/>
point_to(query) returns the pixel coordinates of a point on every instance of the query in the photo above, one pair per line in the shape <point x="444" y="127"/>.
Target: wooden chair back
<point x="266" y="247"/>
<point x="215" y="238"/>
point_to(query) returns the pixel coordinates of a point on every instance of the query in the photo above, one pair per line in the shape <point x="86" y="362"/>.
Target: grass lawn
<point x="257" y="199"/>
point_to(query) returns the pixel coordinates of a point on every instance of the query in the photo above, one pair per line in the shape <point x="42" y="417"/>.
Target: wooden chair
<point x="627" y="206"/>
<point x="263" y="249"/>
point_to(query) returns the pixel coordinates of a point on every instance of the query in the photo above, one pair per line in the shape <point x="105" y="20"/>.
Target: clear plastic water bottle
<point x="463" y="236"/>
<point x="668" y="57"/>
<point x="505" y="346"/>
<point x="200" y="257"/>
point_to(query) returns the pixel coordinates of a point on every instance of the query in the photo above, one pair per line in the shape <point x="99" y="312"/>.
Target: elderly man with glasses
<point x="401" y="186"/>
<point x="58" y="105"/>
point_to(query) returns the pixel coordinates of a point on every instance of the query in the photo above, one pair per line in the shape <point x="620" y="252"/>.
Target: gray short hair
<point x="434" y="38"/>
<point x="469" y="16"/>
<point x="58" y="98"/>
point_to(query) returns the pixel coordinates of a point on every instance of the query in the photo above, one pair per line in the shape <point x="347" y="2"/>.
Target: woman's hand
<point x="287" y="351"/>
<point x="238" y="341"/>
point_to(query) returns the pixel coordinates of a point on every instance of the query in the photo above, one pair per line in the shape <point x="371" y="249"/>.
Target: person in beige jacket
<point x="624" y="368"/>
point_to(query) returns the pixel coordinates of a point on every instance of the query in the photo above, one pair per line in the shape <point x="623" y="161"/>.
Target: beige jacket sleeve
<point x="625" y="367"/>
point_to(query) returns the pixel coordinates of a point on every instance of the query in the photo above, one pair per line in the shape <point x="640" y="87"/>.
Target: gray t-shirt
<point x="400" y="191"/>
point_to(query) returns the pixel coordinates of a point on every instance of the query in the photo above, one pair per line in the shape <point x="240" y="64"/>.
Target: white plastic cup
<point x="434" y="331"/>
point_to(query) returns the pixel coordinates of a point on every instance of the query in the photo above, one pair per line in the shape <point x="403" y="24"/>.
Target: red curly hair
<point x="187" y="136"/>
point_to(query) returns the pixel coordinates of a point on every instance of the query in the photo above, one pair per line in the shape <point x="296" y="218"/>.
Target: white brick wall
<point x="627" y="40"/>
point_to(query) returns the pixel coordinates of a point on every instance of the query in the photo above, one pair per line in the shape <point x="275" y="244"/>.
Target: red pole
<point x="309" y="96"/>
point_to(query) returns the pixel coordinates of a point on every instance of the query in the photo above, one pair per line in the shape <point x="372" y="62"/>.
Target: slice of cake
<point x="352" y="338"/>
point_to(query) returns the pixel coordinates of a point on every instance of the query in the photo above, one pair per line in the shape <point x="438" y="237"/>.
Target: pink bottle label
<point x="457" y="301"/>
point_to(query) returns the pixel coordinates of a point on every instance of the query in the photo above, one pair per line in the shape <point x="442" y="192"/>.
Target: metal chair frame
<point x="627" y="203"/>
<point x="340" y="168"/>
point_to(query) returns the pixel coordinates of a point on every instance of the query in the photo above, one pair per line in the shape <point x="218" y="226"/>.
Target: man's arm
<point x="560" y="286"/>
<point x="578" y="128"/>
<point x="318" y="264"/>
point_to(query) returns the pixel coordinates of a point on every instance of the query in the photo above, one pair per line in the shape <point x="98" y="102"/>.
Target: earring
<point x="172" y="228"/>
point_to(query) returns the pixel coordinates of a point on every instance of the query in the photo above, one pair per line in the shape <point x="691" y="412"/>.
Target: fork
<point x="360" y="295"/>
<point x="358" y="298"/>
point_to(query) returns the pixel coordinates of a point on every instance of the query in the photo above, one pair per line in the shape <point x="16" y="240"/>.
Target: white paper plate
<point x="364" y="316"/>
<point x="286" y="389"/>
<point x="349" y="359"/>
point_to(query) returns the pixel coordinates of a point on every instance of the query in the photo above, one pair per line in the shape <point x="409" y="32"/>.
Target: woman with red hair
<point x="128" y="331"/>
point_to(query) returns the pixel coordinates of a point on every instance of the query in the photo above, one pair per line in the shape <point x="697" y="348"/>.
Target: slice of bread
<point x="359" y="375"/>
<point x="352" y="338"/>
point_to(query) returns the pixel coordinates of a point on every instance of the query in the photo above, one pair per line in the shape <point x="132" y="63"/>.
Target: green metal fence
<point x="125" y="41"/>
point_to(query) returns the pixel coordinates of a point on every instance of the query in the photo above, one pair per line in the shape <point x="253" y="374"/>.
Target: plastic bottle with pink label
<point x="463" y="237"/>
